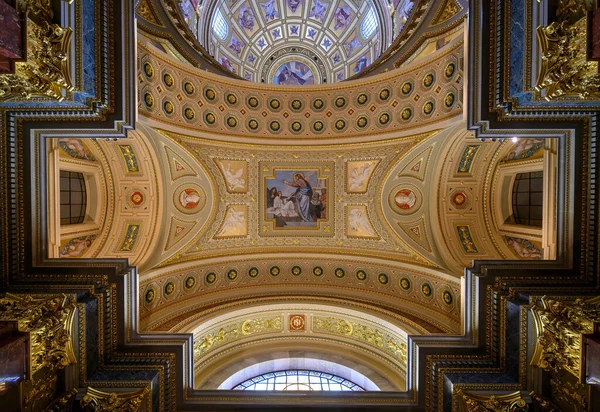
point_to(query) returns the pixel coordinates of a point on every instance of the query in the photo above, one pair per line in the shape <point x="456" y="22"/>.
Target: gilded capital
<point x="474" y="402"/>
<point x="99" y="401"/>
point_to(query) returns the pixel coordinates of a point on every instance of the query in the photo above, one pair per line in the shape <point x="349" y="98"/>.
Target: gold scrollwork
<point x="510" y="402"/>
<point x="565" y="70"/>
<point x="95" y="400"/>
<point x="49" y="321"/>
<point x="46" y="69"/>
<point x="559" y="327"/>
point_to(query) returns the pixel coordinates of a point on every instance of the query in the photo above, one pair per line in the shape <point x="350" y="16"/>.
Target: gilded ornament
<point x="274" y="271"/>
<point x="296" y="271"/>
<point x="211" y="278"/>
<point x="168" y="107"/>
<point x="318" y="104"/>
<point x="428" y="107"/>
<point x="210" y="94"/>
<point x="406" y="114"/>
<point x="45" y="72"/>
<point x="449" y="100"/>
<point x="231" y="98"/>
<point x="406" y="88"/>
<point x="168" y="80"/>
<point x="384" y="94"/>
<point x="150" y="295"/>
<point x="275" y="126"/>
<point x="296" y="105"/>
<point x="362" y="122"/>
<point x="339" y="273"/>
<point x="210" y="118"/>
<point x="296" y="126"/>
<point x="428" y="80"/>
<point x="95" y="400"/>
<point x="190" y="282"/>
<point x="361" y="275"/>
<point x="362" y="99"/>
<point x="253" y="102"/>
<point x="231" y="121"/>
<point x="189" y="88"/>
<point x="317" y="271"/>
<point x="449" y="70"/>
<point x="148" y="99"/>
<point x="383" y="278"/>
<point x="189" y="113"/>
<point x="447" y="297"/>
<point x="252" y="124"/>
<point x="169" y="288"/>
<point x="148" y="70"/>
<point x="340" y="124"/>
<point x="318" y="126"/>
<point x="275" y="104"/>
<point x="340" y="102"/>
<point x="473" y="402"/>
<point x="405" y="283"/>
<point x="253" y="272"/>
<point x="232" y="274"/>
<point x="426" y="289"/>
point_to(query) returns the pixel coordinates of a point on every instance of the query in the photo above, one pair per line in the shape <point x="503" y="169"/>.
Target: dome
<point x="296" y="42"/>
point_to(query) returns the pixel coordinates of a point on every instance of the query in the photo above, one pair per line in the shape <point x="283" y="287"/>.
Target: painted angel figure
<point x="246" y="17"/>
<point x="318" y="10"/>
<point x="234" y="178"/>
<point x="293" y="5"/>
<point x="358" y="222"/>
<point x="357" y="176"/>
<point x="234" y="223"/>
<point x="269" y="9"/>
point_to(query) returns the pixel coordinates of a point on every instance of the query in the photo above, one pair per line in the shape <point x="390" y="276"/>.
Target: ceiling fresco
<point x="295" y="42"/>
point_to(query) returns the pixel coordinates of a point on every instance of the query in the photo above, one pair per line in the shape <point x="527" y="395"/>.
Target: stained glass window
<point x="220" y="26"/>
<point x="297" y="380"/>
<point x="369" y="24"/>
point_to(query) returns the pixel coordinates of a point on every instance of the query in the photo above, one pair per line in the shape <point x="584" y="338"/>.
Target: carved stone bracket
<point x="49" y="321"/>
<point x="98" y="401"/>
<point x="473" y="402"/>
<point x="560" y="327"/>
<point x="565" y="70"/>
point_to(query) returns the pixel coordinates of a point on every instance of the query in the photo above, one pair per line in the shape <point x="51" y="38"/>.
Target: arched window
<point x="527" y="199"/>
<point x="369" y="24"/>
<point x="220" y="26"/>
<point x="72" y="197"/>
<point x="298" y="380"/>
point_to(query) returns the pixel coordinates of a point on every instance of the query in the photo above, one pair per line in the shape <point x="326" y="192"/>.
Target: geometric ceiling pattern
<point x="295" y="42"/>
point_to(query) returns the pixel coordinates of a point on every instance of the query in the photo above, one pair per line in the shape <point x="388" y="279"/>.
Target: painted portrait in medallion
<point x="294" y="73"/>
<point x="296" y="200"/>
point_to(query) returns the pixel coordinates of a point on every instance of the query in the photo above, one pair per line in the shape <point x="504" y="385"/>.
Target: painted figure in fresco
<point x="358" y="222"/>
<point x="227" y="64"/>
<point x="525" y="148"/>
<point x="523" y="248"/>
<point x="357" y="177"/>
<point x="343" y="17"/>
<point x="77" y="246"/>
<point x="293" y="5"/>
<point x="269" y="9"/>
<point x="189" y="198"/>
<point x="303" y="195"/>
<point x="75" y="148"/>
<point x="288" y="77"/>
<point x="361" y="64"/>
<point x="316" y="207"/>
<point x="351" y="45"/>
<point x="405" y="199"/>
<point x="234" y="178"/>
<point x="318" y="10"/>
<point x="323" y="199"/>
<point x="246" y="17"/>
<point x="271" y="195"/>
<point x="234" y="223"/>
<point x="236" y="45"/>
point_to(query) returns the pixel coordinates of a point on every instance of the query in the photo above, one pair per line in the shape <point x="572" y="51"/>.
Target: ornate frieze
<point x="98" y="401"/>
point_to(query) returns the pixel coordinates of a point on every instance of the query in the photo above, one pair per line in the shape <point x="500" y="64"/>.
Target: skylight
<point x="369" y="24"/>
<point x="220" y="26"/>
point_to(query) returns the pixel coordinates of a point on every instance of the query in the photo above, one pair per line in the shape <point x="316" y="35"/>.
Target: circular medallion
<point x="339" y="273"/>
<point x="340" y="124"/>
<point x="362" y="99"/>
<point x="253" y="124"/>
<point x="189" y="113"/>
<point x="148" y="70"/>
<point x="317" y="271"/>
<point x="405" y="199"/>
<point x="231" y="122"/>
<point x="169" y="288"/>
<point x="150" y="295"/>
<point x="449" y="100"/>
<point x="428" y="107"/>
<point x="361" y="275"/>
<point x="449" y="70"/>
<point x="253" y="272"/>
<point x="274" y="126"/>
<point x="190" y="282"/>
<point x="274" y="104"/>
<point x="406" y="114"/>
<point x="210" y="94"/>
<point x="274" y="271"/>
<point x="148" y="99"/>
<point x="428" y="80"/>
<point x="340" y="102"/>
<point x="405" y="283"/>
<point x="189" y="199"/>
<point x="318" y="126"/>
<point x="168" y="80"/>
<point x="211" y="278"/>
<point x="296" y="105"/>
<point x="406" y="88"/>
<point x="137" y="198"/>
<point x="168" y="107"/>
<point x="447" y="297"/>
<point x="426" y="289"/>
<point x="383" y="278"/>
<point x="296" y="271"/>
<point x="362" y="122"/>
<point x="297" y="322"/>
<point x="231" y="98"/>
<point x="232" y="274"/>
<point x="210" y="118"/>
<point x="459" y="198"/>
<point x="189" y="88"/>
<point x="318" y="104"/>
<point x="384" y="118"/>
<point x="384" y="94"/>
<point x="296" y="127"/>
<point x="253" y="102"/>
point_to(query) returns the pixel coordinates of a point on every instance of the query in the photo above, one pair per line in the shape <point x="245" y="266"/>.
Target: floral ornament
<point x="336" y="58"/>
<point x="317" y="271"/>
<point x="405" y="283"/>
<point x="253" y="272"/>
<point x="326" y="43"/>
<point x="262" y="44"/>
<point x="361" y="275"/>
